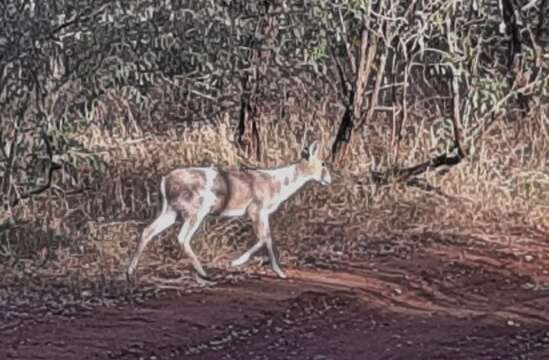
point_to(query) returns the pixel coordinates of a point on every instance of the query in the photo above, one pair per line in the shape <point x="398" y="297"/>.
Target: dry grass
<point x="497" y="194"/>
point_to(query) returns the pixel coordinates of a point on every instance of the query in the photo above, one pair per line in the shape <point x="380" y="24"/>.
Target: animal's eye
<point x="323" y="164"/>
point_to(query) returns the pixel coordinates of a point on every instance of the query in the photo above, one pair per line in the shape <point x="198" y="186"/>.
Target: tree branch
<point x="52" y="167"/>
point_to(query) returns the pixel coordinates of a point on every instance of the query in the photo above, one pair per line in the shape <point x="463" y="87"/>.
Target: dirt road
<point x="428" y="308"/>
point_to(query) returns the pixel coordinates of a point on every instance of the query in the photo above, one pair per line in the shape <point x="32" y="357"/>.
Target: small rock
<point x="512" y="323"/>
<point x="528" y="258"/>
<point x="528" y="286"/>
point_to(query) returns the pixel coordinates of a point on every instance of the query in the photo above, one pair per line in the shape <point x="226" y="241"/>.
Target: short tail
<point x="163" y="193"/>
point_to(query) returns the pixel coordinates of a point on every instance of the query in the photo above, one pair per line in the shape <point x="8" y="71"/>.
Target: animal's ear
<point x="305" y="154"/>
<point x="314" y="149"/>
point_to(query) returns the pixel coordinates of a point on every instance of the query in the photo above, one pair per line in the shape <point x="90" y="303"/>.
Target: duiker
<point x="197" y="192"/>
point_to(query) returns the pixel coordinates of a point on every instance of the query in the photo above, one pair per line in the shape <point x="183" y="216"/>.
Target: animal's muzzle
<point x="325" y="179"/>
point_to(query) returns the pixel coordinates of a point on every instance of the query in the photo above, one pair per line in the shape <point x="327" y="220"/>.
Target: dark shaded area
<point x="408" y="174"/>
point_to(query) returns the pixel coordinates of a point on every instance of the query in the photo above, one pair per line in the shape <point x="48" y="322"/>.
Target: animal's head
<point x="314" y="165"/>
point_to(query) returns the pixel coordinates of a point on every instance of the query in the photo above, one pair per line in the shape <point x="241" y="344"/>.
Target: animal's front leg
<point x="263" y="231"/>
<point x="274" y="262"/>
<point x="244" y="258"/>
<point x="253" y="214"/>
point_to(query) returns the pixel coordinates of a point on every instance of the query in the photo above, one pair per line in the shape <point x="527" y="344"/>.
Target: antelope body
<point x="194" y="193"/>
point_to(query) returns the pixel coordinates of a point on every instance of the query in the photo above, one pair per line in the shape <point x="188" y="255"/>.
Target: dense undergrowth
<point x="497" y="194"/>
<point x="113" y="95"/>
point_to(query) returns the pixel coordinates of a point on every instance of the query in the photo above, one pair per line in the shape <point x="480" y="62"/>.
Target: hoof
<point x="281" y="274"/>
<point x="131" y="278"/>
<point x="204" y="280"/>
<point x="239" y="262"/>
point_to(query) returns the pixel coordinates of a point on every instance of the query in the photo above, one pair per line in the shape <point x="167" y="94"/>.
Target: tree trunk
<point x="344" y="133"/>
<point x="514" y="47"/>
<point x="355" y="99"/>
<point x="248" y="124"/>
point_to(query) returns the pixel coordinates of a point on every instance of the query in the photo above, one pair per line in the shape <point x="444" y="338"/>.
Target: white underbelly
<point x="233" y="213"/>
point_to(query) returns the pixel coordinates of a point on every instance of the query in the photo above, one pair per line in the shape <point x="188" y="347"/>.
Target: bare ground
<point x="445" y="302"/>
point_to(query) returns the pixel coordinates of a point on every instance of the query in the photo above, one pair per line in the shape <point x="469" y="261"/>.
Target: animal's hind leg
<point x="161" y="223"/>
<point x="185" y="235"/>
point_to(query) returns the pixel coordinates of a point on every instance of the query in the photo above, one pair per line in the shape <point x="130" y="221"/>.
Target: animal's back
<point x="226" y="193"/>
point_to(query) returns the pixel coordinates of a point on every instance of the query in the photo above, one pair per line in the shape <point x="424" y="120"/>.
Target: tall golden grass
<point x="498" y="192"/>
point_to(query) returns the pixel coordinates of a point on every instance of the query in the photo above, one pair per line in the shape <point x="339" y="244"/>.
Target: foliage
<point x="83" y="81"/>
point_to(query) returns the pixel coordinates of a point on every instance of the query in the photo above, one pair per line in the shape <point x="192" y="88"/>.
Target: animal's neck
<point x="291" y="180"/>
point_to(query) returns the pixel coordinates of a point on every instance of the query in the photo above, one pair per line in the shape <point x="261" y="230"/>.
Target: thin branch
<point x="498" y="105"/>
<point x="52" y="167"/>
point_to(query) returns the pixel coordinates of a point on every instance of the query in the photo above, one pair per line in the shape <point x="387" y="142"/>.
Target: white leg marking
<point x="260" y="219"/>
<point x="184" y="238"/>
<point x="244" y="258"/>
<point x="274" y="263"/>
<point x="162" y="222"/>
<point x="191" y="224"/>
